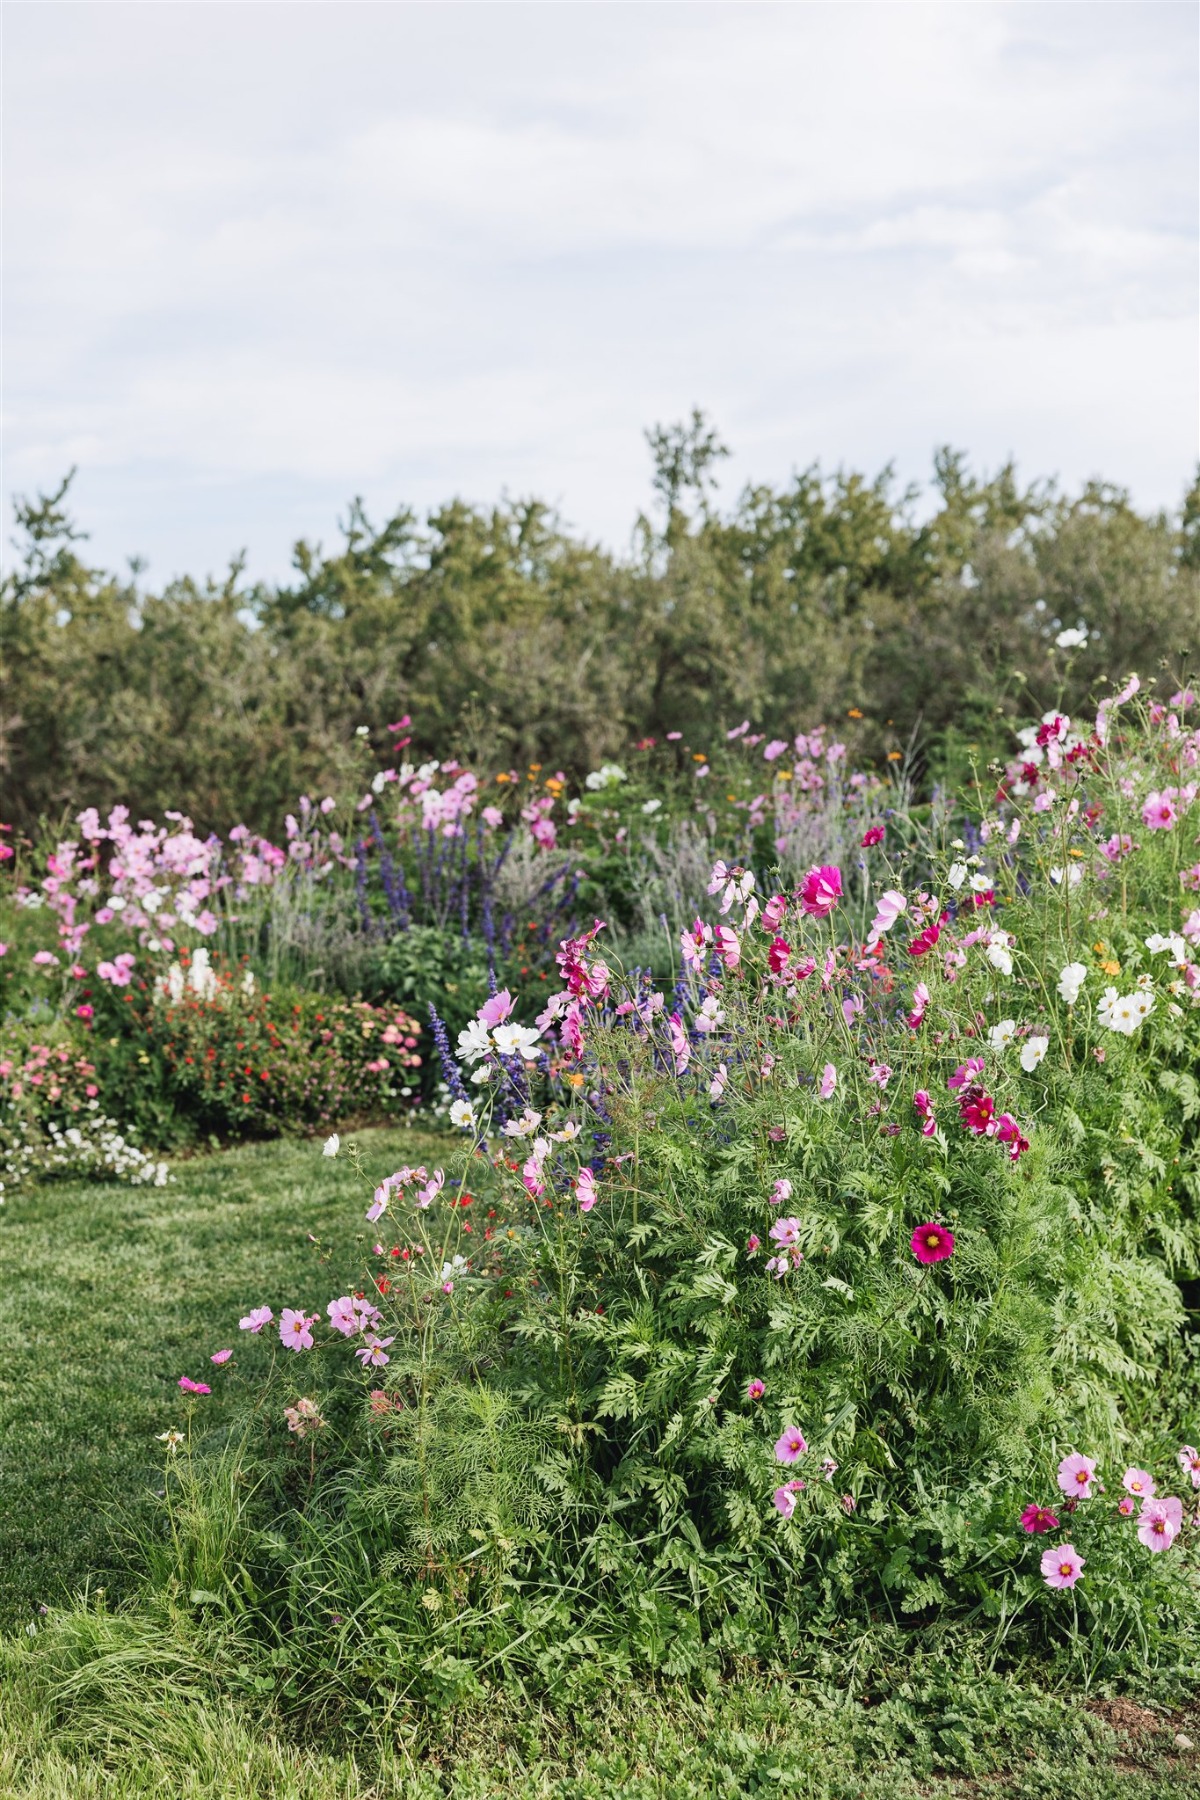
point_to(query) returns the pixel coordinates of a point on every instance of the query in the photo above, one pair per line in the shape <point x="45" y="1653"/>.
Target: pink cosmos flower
<point x="791" y="1446"/>
<point x="781" y="1191"/>
<point x="1117" y="846"/>
<point x="821" y="890"/>
<point x="1008" y="1132"/>
<point x="680" y="1048"/>
<point x="753" y="1245"/>
<point x="977" y="1110"/>
<point x="1189" y="1462"/>
<point x="785" y="1233"/>
<point x="295" y="1329"/>
<point x="1038" y="1518"/>
<point x="343" y="1316"/>
<point x="932" y="1243"/>
<point x="964" y="1075"/>
<point x="1076" y="1474"/>
<point x="923" y="1107"/>
<point x="784" y="1498"/>
<point x="585" y="1188"/>
<point x="373" y="1353"/>
<point x="778" y="954"/>
<point x="828" y="1082"/>
<point x="727" y="946"/>
<point x="496" y="1010"/>
<point x="254" y="1321"/>
<point x="1158" y="813"/>
<point x="879" y="1074"/>
<point x="925" y="940"/>
<point x="193" y="1387"/>
<point x="1137" y="1481"/>
<point x="220" y="1356"/>
<point x="875" y="834"/>
<point x="888" y="908"/>
<point x="755" y="1389"/>
<point x="716" y="1087"/>
<point x="849" y="1503"/>
<point x="773" y="912"/>
<point x="1062" y="1566"/>
<point x="85" y="1011"/>
<point x="1160" y="1522"/>
<point x="920" y="1006"/>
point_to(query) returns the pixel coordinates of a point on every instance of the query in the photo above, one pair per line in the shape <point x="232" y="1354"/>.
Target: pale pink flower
<point x="1189" y="1462"/>
<point x="1126" y="1505"/>
<point x="828" y="1083"/>
<point x="220" y="1356"/>
<point x="496" y="1010"/>
<point x="888" y="908"/>
<point x="373" y="1353"/>
<point x="1137" y="1481"/>
<point x="585" y="1188"/>
<point x="343" y="1316"/>
<point x="716" y="1087"/>
<point x="791" y="1446"/>
<point x="1076" y="1474"/>
<point x="727" y="946"/>
<point x="1158" y="813"/>
<point x="680" y="1048"/>
<point x="303" y="1417"/>
<point x="295" y="1329"/>
<point x="781" y="1191"/>
<point x="1160" y="1522"/>
<point x="254" y="1321"/>
<point x="1062" y="1566"/>
<point x="773" y="912"/>
<point x="785" y="1233"/>
<point x="784" y="1498"/>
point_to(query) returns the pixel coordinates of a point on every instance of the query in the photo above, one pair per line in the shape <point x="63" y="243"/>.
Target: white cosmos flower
<point x="1072" y="875"/>
<point x="568" y="1132"/>
<point x="482" y="1073"/>
<point x="331" y="1145"/>
<point x="956" y="875"/>
<point x="1070" y="982"/>
<point x="999" y="957"/>
<point x="474" y="1042"/>
<point x="1071" y="639"/>
<point x="462" y="1115"/>
<point x="516" y="1040"/>
<point x="1032" y="1052"/>
<point x="651" y="806"/>
<point x="1171" y="942"/>
<point x="1002" y="1034"/>
<point x="981" y="883"/>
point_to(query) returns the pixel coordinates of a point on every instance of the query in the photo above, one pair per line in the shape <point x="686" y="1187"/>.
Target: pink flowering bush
<point x="772" y="1289"/>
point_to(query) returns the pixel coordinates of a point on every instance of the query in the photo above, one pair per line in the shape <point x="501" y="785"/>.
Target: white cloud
<point x="263" y="257"/>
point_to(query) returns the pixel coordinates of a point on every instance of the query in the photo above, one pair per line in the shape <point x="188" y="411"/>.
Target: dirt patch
<point x="1127" y="1717"/>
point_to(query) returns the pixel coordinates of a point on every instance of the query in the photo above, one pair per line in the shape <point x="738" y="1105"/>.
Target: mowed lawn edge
<point x="108" y="1294"/>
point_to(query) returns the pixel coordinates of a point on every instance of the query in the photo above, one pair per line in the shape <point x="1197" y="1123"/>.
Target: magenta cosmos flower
<point x="784" y="1498"/>
<point x="791" y="1446"/>
<point x="255" y="1320"/>
<point x="932" y="1243"/>
<point x="755" y="1389"/>
<point x="220" y="1356"/>
<point x="1137" y="1481"/>
<point x="295" y="1329"/>
<point x="1062" y="1566"/>
<point x="193" y="1387"/>
<point x="1076" y="1474"/>
<point x="821" y="890"/>
<point x="1038" y="1518"/>
<point x="1160" y="1522"/>
<point x="1189" y="1462"/>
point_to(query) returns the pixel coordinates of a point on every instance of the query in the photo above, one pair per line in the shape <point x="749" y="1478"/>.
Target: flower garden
<point x="704" y="1252"/>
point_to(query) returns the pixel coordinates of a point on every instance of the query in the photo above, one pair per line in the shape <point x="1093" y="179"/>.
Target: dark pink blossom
<point x="932" y="1243"/>
<point x="821" y="890"/>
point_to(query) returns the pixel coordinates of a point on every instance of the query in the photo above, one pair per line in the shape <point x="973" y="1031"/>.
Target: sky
<point x="260" y="258"/>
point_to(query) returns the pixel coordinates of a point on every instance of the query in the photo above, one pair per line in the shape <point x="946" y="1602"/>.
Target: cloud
<point x="261" y="257"/>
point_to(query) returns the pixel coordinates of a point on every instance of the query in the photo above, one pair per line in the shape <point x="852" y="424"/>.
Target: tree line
<point x="508" y="638"/>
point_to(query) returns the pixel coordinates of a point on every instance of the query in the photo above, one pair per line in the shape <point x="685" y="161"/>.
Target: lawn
<point x="112" y="1293"/>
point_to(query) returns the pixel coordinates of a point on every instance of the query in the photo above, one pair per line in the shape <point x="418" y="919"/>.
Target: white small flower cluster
<point x="95" y="1148"/>
<point x="1033" y="1050"/>
<point x="1125" y="1012"/>
<point x="607" y="775"/>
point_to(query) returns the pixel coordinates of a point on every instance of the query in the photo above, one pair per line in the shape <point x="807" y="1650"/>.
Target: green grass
<point x="110" y="1294"/>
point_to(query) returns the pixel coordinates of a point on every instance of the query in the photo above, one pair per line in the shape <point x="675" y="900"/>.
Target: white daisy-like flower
<point x="462" y="1115"/>
<point x="1033" y="1051"/>
<point x="474" y="1042"/>
<point x="332" y="1145"/>
<point x="1070" y="982"/>
<point x="1002" y="1034"/>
